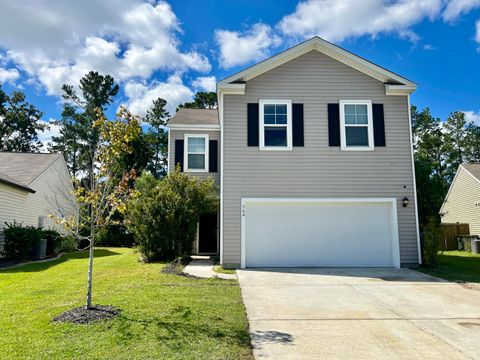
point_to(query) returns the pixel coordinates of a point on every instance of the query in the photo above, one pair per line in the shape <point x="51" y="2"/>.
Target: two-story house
<point x="312" y="151"/>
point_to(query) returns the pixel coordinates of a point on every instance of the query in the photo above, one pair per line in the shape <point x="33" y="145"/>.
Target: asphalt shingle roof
<point x="473" y="169"/>
<point x="20" y="169"/>
<point x="195" y="117"/>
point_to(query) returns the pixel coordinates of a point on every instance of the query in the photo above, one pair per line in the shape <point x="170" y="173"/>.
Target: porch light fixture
<point x="405" y="201"/>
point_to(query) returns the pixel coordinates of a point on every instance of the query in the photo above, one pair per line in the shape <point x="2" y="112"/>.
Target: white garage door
<point x="319" y="232"/>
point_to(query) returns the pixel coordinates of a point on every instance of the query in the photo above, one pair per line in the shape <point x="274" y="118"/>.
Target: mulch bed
<point x="81" y="315"/>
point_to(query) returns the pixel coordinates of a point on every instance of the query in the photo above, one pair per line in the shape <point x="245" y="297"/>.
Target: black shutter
<point x="179" y="153"/>
<point x="252" y="114"/>
<point x="378" y="125"/>
<point x="297" y="124"/>
<point x="333" y="125"/>
<point x="213" y="156"/>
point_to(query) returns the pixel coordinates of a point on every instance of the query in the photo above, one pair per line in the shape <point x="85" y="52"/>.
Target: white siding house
<point x="32" y="187"/>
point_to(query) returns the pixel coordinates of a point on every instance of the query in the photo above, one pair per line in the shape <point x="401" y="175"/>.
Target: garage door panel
<point x="318" y="234"/>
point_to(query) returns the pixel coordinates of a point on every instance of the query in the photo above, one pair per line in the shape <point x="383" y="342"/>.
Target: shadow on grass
<point x="41" y="266"/>
<point x="177" y="327"/>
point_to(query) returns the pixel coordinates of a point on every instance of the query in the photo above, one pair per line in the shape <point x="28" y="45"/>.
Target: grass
<point x="221" y="270"/>
<point x="164" y="316"/>
<point x="457" y="266"/>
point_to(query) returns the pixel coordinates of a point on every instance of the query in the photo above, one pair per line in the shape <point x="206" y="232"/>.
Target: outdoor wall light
<point x="405" y="201"/>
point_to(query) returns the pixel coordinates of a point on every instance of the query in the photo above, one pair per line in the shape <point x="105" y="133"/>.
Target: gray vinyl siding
<point x="317" y="170"/>
<point x="460" y="206"/>
<point x="179" y="134"/>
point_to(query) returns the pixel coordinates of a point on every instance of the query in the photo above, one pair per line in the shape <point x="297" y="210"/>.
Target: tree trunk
<point x="90" y="269"/>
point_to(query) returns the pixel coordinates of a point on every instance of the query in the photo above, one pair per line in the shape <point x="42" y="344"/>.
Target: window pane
<point x="362" y="119"/>
<point x="350" y="109"/>
<point x="269" y="119"/>
<point x="196" y="145"/>
<point x="196" y="161"/>
<point x="281" y="119"/>
<point x="361" y="109"/>
<point x="356" y="136"/>
<point x="275" y="136"/>
<point x="350" y="119"/>
<point x="281" y="109"/>
<point x="269" y="109"/>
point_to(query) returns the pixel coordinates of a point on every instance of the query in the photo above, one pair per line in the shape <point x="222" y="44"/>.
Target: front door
<point x="207" y="234"/>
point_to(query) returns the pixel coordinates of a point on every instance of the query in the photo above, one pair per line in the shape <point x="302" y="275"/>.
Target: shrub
<point x="432" y="234"/>
<point x="66" y="244"/>
<point x="163" y="216"/>
<point x="114" y="235"/>
<point x="20" y="240"/>
<point x="54" y="238"/>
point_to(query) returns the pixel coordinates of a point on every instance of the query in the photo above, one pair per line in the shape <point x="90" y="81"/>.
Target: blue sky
<point x="172" y="49"/>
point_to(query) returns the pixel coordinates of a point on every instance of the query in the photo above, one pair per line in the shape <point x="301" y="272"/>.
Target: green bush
<point x="432" y="234"/>
<point x="66" y="244"/>
<point x="163" y="217"/>
<point x="114" y="235"/>
<point x="20" y="240"/>
<point x="54" y="238"/>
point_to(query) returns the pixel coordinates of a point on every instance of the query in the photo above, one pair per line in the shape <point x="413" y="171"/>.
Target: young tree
<point x="105" y="195"/>
<point x="157" y="117"/>
<point x="19" y="123"/>
<point x="202" y="100"/>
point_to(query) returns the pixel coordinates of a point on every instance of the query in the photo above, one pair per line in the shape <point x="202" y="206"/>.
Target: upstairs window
<point x="356" y="125"/>
<point x="196" y="154"/>
<point x="275" y="124"/>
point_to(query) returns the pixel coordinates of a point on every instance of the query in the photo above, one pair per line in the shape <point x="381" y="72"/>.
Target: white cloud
<point x="46" y="135"/>
<point x="237" y="48"/>
<point x="336" y="20"/>
<point x="8" y="75"/>
<point x="429" y="47"/>
<point x="455" y="8"/>
<point x="477" y="31"/>
<point x="57" y="41"/>
<point x="141" y="95"/>
<point x="206" y="83"/>
<point x="472" y="116"/>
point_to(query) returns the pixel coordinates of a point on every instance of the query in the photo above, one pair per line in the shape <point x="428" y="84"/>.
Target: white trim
<point x="343" y="137"/>
<point x="232" y="89"/>
<point x="417" y="226"/>
<point x="399" y="90"/>
<point x="185" y="152"/>
<point x="220" y="105"/>
<point x="168" y="152"/>
<point x="325" y="47"/>
<point x="194" y="127"/>
<point x="391" y="201"/>
<point x="261" y="124"/>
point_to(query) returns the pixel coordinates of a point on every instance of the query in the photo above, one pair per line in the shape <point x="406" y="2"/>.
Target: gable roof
<point x="316" y="43"/>
<point x="21" y="169"/>
<point x="473" y="169"/>
<point x="186" y="116"/>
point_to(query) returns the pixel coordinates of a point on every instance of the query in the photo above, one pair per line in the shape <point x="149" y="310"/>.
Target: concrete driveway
<point x="359" y="314"/>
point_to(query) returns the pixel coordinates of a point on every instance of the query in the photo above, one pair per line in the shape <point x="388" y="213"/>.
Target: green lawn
<point x="163" y="316"/>
<point x="457" y="266"/>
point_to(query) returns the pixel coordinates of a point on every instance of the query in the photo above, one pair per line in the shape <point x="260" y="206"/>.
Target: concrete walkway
<point x="359" y="314"/>
<point x="202" y="267"/>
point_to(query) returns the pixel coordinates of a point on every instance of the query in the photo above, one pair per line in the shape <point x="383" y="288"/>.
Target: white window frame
<point x="262" y="125"/>
<point x="343" y="133"/>
<point x="185" y="152"/>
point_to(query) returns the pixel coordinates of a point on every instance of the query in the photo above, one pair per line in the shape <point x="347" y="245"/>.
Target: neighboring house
<point x="462" y="203"/>
<point x="33" y="186"/>
<point x="312" y="150"/>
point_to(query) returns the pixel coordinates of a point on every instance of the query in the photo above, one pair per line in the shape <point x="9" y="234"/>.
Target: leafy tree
<point x="473" y="143"/>
<point x="164" y="215"/>
<point x="202" y="100"/>
<point x="103" y="195"/>
<point x="78" y="138"/>
<point x="455" y="138"/>
<point x="157" y="117"/>
<point x="19" y="123"/>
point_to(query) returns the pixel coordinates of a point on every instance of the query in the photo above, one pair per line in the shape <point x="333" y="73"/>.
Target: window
<point x="275" y="124"/>
<point x="196" y="153"/>
<point x="356" y="125"/>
